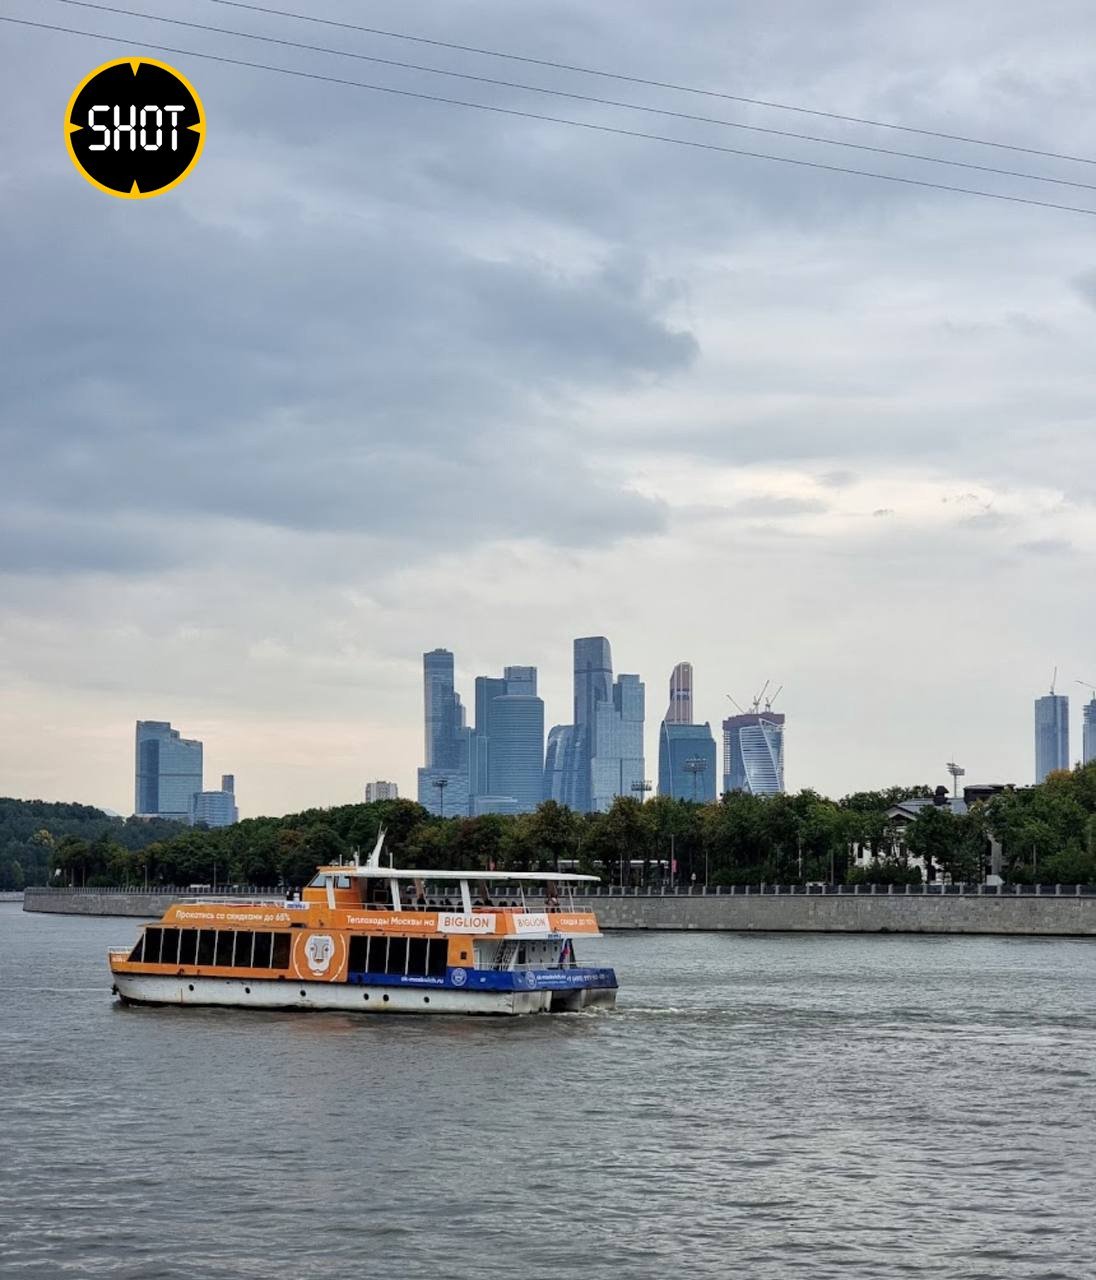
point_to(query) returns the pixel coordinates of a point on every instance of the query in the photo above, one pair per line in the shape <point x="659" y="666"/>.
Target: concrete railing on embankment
<point x="1051" y="910"/>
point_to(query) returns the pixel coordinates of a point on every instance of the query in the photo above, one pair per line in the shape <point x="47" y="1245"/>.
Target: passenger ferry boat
<point x="367" y="937"/>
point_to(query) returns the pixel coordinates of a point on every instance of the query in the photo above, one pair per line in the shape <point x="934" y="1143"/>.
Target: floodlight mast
<point x="957" y="772"/>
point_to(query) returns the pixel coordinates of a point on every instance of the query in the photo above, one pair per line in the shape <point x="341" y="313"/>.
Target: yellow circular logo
<point x="135" y="127"/>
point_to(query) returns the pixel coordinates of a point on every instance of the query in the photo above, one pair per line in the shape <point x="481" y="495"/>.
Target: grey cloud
<point x="1047" y="547"/>
<point x="839" y="478"/>
<point x="36" y="541"/>
<point x="775" y="506"/>
<point x="987" y="521"/>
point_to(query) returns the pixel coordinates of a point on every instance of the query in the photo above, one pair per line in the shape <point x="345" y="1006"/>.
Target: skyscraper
<point x="168" y="771"/>
<point x="446" y="738"/>
<point x="616" y="756"/>
<point x="508" y="743"/>
<point x="1051" y="734"/>
<point x="560" y="765"/>
<point x="444" y="783"/>
<point x="686" y="762"/>
<point x="680" y="710"/>
<point x="214" y="808"/>
<point x="600" y="756"/>
<point x="381" y="791"/>
<point x="686" y="751"/>
<point x="1088" y="737"/>
<point x="753" y="753"/>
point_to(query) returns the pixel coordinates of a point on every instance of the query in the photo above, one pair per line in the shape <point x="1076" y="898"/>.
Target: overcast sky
<point x="383" y="375"/>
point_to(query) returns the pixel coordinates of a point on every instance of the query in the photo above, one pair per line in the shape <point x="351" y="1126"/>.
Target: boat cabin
<point x="374" y="888"/>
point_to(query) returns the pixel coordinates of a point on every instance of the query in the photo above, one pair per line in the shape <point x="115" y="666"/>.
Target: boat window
<point x="438" y="957"/>
<point x="169" y="951"/>
<point x="397" y="956"/>
<point x="224" y="947"/>
<point x="241" y="958"/>
<point x="207" y="941"/>
<point x="416" y="956"/>
<point x="280" y="958"/>
<point x="358" y="960"/>
<point x="342" y="882"/>
<point x="152" y="945"/>
<point x="317" y="882"/>
<point x="188" y="945"/>
<point x="261" y="958"/>
<point x="138" y="948"/>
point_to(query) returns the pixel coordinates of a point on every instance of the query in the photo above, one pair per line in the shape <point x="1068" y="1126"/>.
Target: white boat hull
<point x="261" y="993"/>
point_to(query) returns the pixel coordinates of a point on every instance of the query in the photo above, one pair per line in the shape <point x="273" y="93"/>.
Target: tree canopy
<point x="1047" y="832"/>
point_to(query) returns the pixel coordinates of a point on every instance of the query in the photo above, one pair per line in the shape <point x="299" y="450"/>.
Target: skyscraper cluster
<point x="1052" y="733"/>
<point x="495" y="766"/>
<point x="600" y="756"/>
<point x="501" y="765"/>
<point x="168" y="779"/>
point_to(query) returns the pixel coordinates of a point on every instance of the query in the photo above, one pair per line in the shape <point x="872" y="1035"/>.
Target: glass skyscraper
<point x="168" y="771"/>
<point x="1051" y="734"/>
<point x="753" y="753"/>
<point x="600" y="756"/>
<point x="213" y="809"/>
<point x="561" y="771"/>
<point x="686" y="762"/>
<point x="508" y="743"/>
<point x="616" y="758"/>
<point x="686" y="751"/>
<point x="446" y="735"/>
<point x="1088" y="738"/>
<point x="444" y="783"/>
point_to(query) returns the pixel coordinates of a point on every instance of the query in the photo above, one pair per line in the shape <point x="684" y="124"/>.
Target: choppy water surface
<point x="763" y="1106"/>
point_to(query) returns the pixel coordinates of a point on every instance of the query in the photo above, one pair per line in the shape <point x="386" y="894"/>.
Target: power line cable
<point x="582" y="97"/>
<point x="654" y="84"/>
<point x="589" y="126"/>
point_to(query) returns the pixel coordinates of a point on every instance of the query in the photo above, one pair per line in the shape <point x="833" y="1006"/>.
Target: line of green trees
<point x="1047" y="832"/>
<point x="32" y="830"/>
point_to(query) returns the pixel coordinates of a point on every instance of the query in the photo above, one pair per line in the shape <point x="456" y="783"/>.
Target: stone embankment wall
<point x="1045" y="914"/>
<point x="84" y="903"/>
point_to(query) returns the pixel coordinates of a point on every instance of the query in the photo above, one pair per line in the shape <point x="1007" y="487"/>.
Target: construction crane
<point x="1088" y="685"/>
<point x="1053" y="681"/>
<point x="758" y="702"/>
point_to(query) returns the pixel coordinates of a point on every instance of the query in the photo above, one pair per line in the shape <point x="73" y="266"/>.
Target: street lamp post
<point x="696" y="766"/>
<point x="639" y="789"/>
<point x="441" y="784"/>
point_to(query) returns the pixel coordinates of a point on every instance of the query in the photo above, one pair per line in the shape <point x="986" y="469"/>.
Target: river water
<point x="759" y="1106"/>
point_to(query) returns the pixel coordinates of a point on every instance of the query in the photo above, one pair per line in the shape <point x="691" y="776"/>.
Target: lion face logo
<point x="319" y="950"/>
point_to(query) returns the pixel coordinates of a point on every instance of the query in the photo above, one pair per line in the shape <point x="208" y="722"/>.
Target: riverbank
<point x="1045" y="913"/>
